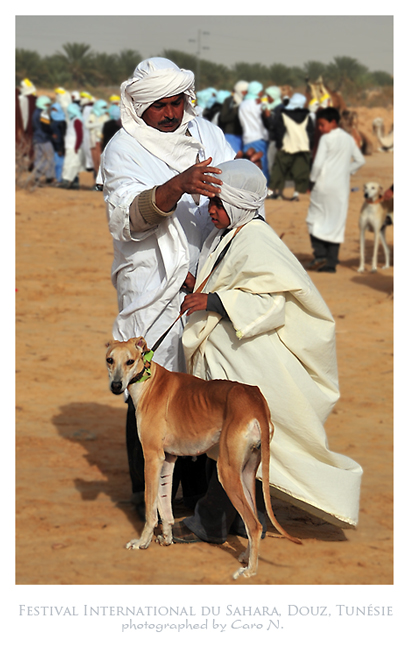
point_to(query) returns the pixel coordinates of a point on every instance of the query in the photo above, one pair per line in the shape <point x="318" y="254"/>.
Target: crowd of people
<point x="286" y="130"/>
<point x="61" y="136"/>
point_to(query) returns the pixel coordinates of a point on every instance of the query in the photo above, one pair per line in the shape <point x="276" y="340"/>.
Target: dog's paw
<point x="373" y="270"/>
<point x="164" y="540"/>
<point x="360" y="269"/>
<point x="244" y="572"/>
<point x="135" y="544"/>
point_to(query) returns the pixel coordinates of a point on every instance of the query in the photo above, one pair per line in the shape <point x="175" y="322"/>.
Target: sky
<point x="227" y="39"/>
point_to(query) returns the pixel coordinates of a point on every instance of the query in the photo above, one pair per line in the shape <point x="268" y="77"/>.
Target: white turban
<point x="243" y="190"/>
<point x="239" y="89"/>
<point x="154" y="79"/>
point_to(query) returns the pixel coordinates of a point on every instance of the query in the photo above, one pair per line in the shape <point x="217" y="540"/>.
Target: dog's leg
<point x="362" y="244"/>
<point x="242" y="452"/>
<point x="164" y="503"/>
<point x="153" y="465"/>
<point x="375" y="250"/>
<point x="386" y="248"/>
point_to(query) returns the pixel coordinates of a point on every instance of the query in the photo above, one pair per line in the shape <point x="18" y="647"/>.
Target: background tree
<point x="344" y="73"/>
<point x="29" y="64"/>
<point x="79" y="63"/>
<point x="313" y="70"/>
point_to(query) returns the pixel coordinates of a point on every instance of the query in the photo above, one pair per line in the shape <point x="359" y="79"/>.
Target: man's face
<point x="324" y="126"/>
<point x="166" y="114"/>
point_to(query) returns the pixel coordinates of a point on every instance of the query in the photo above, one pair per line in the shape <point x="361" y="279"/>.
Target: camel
<point x="349" y="123"/>
<point x="386" y="141"/>
<point x="319" y="96"/>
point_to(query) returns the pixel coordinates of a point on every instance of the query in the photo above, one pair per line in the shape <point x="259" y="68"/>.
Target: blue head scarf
<point x="274" y="93"/>
<point x="222" y="95"/>
<point x="296" y="101"/>
<point x="57" y="113"/>
<point x="43" y="102"/>
<point x="114" y="112"/>
<point x="100" y="107"/>
<point x="74" y="111"/>
<point x="254" y="88"/>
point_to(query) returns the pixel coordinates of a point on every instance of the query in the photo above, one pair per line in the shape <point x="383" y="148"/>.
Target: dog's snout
<point x="116" y="387"/>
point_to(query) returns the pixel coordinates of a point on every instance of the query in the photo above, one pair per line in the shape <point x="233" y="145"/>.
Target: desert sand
<point x="74" y="516"/>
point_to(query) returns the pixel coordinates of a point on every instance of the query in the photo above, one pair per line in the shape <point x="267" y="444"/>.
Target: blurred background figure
<point x="86" y="103"/>
<point x="42" y="142"/>
<point x="74" y="158"/>
<point x="25" y="107"/>
<point x="209" y="95"/>
<point x="63" y="97"/>
<point x="114" y="100"/>
<point x="112" y="125"/>
<point x="58" y="130"/>
<point x="76" y="97"/>
<point x="271" y="105"/>
<point x="294" y="131"/>
<point x="214" y="111"/>
<point x="254" y="133"/>
<point x="94" y="124"/>
<point x="228" y="119"/>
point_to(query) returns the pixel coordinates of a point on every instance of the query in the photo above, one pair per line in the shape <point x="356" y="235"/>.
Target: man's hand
<point x="189" y="282"/>
<point x="194" y="302"/>
<point x="194" y="180"/>
<point x="252" y="155"/>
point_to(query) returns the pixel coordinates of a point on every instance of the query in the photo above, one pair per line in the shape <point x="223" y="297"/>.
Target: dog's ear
<point x="141" y="344"/>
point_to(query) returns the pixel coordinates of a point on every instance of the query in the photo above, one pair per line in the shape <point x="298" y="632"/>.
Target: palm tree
<point x="345" y="72"/>
<point x="29" y="64"/>
<point x="79" y="62"/>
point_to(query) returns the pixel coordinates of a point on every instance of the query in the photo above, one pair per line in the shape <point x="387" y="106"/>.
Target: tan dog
<point x="181" y="415"/>
<point x="376" y="214"/>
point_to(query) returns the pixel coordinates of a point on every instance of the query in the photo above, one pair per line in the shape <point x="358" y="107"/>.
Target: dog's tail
<point x="266" y="438"/>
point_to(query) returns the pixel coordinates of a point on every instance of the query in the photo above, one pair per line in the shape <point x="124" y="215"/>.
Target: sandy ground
<point x="73" y="509"/>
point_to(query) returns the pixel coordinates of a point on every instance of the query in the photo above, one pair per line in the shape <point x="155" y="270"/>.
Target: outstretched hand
<point x="198" y="180"/>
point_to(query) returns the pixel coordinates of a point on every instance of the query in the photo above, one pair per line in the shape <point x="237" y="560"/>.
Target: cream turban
<point x="243" y="190"/>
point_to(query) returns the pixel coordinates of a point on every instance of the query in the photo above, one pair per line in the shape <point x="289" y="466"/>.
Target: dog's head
<point x="124" y="360"/>
<point x="372" y="191"/>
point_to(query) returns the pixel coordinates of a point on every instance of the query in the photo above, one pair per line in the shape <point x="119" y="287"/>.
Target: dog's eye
<point x="109" y="360"/>
<point x="130" y="362"/>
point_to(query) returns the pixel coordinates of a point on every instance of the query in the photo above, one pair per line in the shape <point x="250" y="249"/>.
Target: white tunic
<point x="253" y="129"/>
<point x="336" y="158"/>
<point x="149" y="268"/>
<point x="281" y="338"/>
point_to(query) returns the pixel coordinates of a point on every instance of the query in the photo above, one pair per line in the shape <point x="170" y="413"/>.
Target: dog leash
<point x="199" y="289"/>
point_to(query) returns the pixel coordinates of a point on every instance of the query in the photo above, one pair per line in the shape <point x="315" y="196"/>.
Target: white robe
<point x="149" y="268"/>
<point x="281" y="338"/>
<point x="250" y="117"/>
<point x="86" y="144"/>
<point x="336" y="158"/>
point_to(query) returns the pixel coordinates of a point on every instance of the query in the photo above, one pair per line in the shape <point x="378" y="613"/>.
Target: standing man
<point x="336" y="158"/>
<point x="158" y="173"/>
<point x="255" y="135"/>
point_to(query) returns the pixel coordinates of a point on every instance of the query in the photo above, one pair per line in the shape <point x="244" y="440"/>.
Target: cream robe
<point x="149" y="268"/>
<point x="289" y="353"/>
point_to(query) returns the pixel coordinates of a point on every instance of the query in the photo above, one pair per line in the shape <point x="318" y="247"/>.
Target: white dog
<point x="376" y="214"/>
